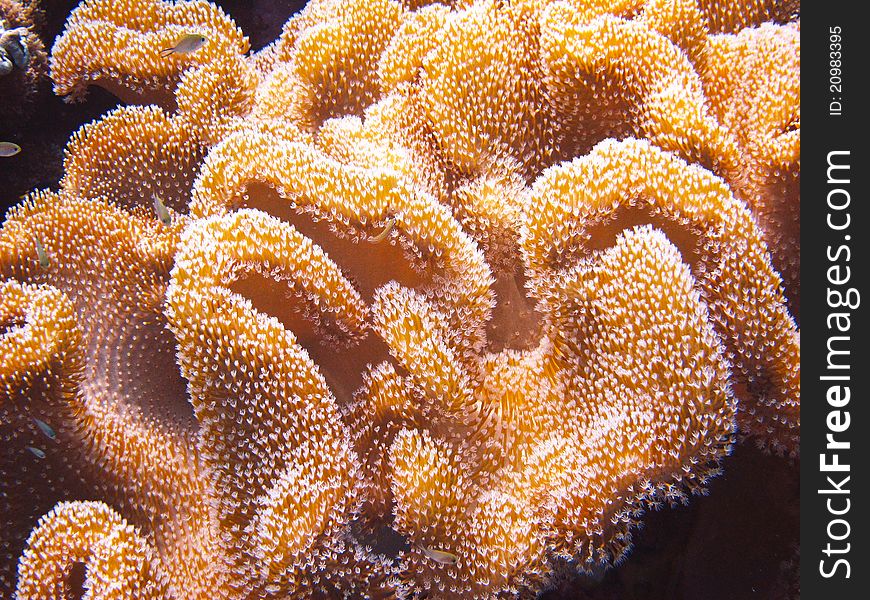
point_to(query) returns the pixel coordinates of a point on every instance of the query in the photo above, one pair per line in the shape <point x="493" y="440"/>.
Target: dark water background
<point x="739" y="542"/>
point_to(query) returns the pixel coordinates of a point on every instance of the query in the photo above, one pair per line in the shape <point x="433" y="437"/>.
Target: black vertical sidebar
<point x="835" y="421"/>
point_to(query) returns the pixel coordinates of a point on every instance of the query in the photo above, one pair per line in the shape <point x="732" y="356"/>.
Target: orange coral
<point x="571" y="454"/>
<point x="117" y="45"/>
<point x="652" y="76"/>
<point x="397" y="286"/>
<point x="22" y="62"/>
<point x="276" y="451"/>
<point x="753" y="84"/>
<point x="125" y="410"/>
<point x="94" y="534"/>
<point x="131" y="155"/>
<point x="578" y="207"/>
<point x="723" y="16"/>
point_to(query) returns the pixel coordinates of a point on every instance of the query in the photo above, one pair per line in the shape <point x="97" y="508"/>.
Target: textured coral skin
<point x="488" y="280"/>
<point x="19" y="87"/>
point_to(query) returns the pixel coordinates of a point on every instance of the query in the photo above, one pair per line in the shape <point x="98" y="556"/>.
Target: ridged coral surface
<point x="422" y="300"/>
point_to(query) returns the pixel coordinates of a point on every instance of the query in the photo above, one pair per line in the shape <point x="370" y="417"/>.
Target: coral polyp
<point x="418" y="301"/>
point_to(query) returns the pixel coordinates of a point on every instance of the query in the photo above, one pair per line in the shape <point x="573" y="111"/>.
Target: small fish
<point x="383" y="235"/>
<point x="162" y="211"/>
<point x="13" y="49"/>
<point x="440" y="556"/>
<point x="8" y="149"/>
<point x="41" y="254"/>
<point x="36" y="452"/>
<point x="45" y="428"/>
<point x="189" y="42"/>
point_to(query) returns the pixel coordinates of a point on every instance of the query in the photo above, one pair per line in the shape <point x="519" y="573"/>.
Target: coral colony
<point x="490" y="279"/>
<point x="22" y="65"/>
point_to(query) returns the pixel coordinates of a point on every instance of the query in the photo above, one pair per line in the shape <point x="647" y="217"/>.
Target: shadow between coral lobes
<point x="739" y="542"/>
